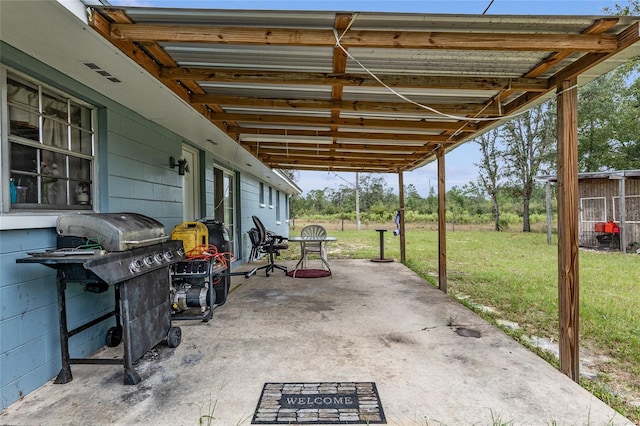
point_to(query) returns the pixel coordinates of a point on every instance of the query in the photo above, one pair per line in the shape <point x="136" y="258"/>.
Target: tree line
<point x="512" y="155"/>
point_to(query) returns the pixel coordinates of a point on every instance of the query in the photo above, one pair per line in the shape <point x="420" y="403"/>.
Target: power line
<point x="490" y="3"/>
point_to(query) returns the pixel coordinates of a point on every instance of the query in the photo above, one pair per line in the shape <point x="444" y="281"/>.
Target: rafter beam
<point x="141" y="56"/>
<point x="331" y="168"/>
<point x="282" y="155"/>
<point x="335" y="161"/>
<point x="364" y="123"/>
<point x="312" y="104"/>
<point x="253" y="146"/>
<point x="627" y="38"/>
<point x="330" y="79"/>
<point x="405" y="137"/>
<point x="363" y="38"/>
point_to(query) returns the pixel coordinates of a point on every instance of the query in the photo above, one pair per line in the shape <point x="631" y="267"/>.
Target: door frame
<point x="191" y="209"/>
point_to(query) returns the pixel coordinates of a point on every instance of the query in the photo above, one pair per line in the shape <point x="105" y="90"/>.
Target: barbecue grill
<point x="131" y="253"/>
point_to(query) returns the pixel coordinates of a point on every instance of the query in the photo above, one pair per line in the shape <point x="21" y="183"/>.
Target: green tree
<point x="609" y="113"/>
<point x="317" y="200"/>
<point x="413" y="200"/>
<point x="631" y="8"/>
<point x="608" y="125"/>
<point x="374" y="189"/>
<point x="431" y="203"/>
<point x="530" y="142"/>
<point x="490" y="171"/>
<point x="290" y="174"/>
<point x="595" y="104"/>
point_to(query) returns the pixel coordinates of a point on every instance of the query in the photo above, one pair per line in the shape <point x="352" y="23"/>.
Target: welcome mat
<point x="324" y="403"/>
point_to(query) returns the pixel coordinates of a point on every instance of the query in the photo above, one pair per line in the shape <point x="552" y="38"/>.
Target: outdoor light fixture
<point x="181" y="163"/>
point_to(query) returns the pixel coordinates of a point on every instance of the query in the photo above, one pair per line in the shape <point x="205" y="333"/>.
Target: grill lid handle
<point x="162" y="239"/>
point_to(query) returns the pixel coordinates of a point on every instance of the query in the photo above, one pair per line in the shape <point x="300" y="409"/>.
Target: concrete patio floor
<point x="370" y="322"/>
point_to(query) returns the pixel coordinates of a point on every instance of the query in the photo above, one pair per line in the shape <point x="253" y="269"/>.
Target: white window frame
<point x="261" y="195"/>
<point x="616" y="202"/>
<point x="582" y="209"/>
<point x="39" y="216"/>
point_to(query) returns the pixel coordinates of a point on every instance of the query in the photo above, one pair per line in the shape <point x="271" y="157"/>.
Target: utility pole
<point x="357" y="188"/>
<point x="357" y="201"/>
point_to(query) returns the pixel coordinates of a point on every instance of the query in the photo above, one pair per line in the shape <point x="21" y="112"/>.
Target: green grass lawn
<point x="516" y="274"/>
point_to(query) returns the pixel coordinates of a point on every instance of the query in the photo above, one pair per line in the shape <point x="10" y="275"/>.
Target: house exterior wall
<point x="29" y="335"/>
<point x="132" y="175"/>
<point x="600" y="202"/>
<point x="250" y="201"/>
<point x="139" y="178"/>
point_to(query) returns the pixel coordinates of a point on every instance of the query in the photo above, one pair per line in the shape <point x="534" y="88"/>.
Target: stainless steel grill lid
<point x="114" y="231"/>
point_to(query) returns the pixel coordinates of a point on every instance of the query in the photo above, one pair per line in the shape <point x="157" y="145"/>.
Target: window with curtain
<point x="51" y="146"/>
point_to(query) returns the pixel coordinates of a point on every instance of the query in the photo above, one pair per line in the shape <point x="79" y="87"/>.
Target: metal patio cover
<point x="349" y="91"/>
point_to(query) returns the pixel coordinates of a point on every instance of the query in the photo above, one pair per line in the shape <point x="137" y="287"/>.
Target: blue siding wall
<point x="139" y="177"/>
<point x="29" y="336"/>
<point x="134" y="176"/>
<point x="250" y="205"/>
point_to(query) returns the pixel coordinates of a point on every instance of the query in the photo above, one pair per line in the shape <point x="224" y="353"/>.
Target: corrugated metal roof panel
<point x="276" y="72"/>
<point x="472" y="23"/>
<point x="268" y="91"/>
<point x="443" y="62"/>
<point x="231" y="17"/>
<point x="317" y="59"/>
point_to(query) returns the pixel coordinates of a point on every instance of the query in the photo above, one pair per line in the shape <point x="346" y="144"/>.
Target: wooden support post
<point x="442" y="222"/>
<point x="568" y="274"/>
<point x="548" y="202"/>
<point x="622" y="207"/>
<point x="403" y="255"/>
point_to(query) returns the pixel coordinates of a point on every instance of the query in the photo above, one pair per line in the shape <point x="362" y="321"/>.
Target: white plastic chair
<point x="314" y="247"/>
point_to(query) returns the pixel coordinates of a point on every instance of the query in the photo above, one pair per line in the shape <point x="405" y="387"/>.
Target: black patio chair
<point x="254" y="237"/>
<point x="270" y="244"/>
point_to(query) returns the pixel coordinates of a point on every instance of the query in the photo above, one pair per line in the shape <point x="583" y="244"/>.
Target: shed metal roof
<point x="350" y="91"/>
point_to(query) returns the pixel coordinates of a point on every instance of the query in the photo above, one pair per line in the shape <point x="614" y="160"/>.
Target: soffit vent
<point x="105" y="74"/>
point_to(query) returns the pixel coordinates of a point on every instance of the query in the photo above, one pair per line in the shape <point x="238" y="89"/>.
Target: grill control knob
<point x="158" y="258"/>
<point x="168" y="255"/>
<point x="135" y="266"/>
<point x="148" y="260"/>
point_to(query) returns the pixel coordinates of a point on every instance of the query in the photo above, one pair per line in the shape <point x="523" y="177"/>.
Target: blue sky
<point x="460" y="163"/>
<point x="517" y="7"/>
